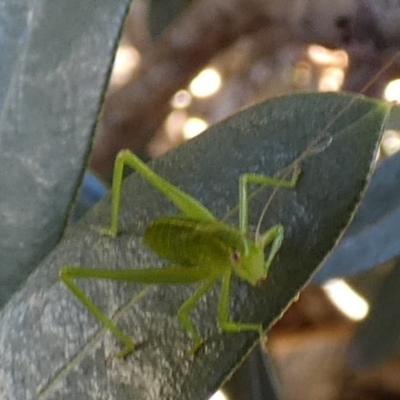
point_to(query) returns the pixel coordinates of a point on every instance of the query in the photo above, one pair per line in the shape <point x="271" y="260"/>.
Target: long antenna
<point x="313" y="147"/>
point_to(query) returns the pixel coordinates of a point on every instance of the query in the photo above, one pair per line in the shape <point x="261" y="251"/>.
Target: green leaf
<point x="52" y="345"/>
<point x="55" y="64"/>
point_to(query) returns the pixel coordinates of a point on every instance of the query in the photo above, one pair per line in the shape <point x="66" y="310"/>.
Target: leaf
<point x="51" y="345"/>
<point x="163" y="13"/>
<point x="373" y="237"/>
<point x="255" y="378"/>
<point x="377" y="338"/>
<point x="55" y="64"/>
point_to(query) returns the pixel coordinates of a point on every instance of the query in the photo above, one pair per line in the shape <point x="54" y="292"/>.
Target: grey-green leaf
<point x="373" y="237"/>
<point x="56" y="59"/>
<point x="377" y="338"/>
<point x="162" y="13"/>
<point x="52" y="346"/>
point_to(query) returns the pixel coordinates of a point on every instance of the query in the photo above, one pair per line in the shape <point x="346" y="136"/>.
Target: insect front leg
<point x="273" y="236"/>
<point x="223" y="311"/>
<point x="187" y="204"/>
<point x="259" y="179"/>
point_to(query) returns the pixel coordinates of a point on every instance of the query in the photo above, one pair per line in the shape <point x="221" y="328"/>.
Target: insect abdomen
<point x="189" y="242"/>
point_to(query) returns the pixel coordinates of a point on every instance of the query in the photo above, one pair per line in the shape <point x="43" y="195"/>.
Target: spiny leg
<point x="167" y="275"/>
<point x="187" y="204"/>
<point x="223" y="311"/>
<point x="259" y="179"/>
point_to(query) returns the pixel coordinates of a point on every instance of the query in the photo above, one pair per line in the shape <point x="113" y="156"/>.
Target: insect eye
<point x="236" y="256"/>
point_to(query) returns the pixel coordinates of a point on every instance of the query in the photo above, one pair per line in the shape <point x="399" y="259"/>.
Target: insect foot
<point x="128" y="350"/>
<point x="195" y="348"/>
<point x="107" y="232"/>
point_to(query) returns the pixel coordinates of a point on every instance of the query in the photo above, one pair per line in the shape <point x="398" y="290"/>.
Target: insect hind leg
<point x="187" y="204"/>
<point x="67" y="275"/>
<point x="164" y="275"/>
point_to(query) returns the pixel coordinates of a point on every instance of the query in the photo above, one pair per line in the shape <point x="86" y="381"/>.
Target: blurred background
<point x="185" y="65"/>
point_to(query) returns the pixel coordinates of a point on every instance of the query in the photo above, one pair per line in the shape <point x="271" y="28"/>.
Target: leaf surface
<point x="59" y="350"/>
<point x="55" y="62"/>
<point x="373" y="237"/>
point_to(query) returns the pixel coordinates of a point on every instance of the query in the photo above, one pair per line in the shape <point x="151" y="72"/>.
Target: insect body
<point x="189" y="242"/>
<point x="200" y="248"/>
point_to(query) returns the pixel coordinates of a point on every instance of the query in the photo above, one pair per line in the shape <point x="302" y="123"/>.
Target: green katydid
<point x="200" y="249"/>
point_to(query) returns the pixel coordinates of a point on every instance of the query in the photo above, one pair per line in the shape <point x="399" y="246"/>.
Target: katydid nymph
<point x="199" y="248"/>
